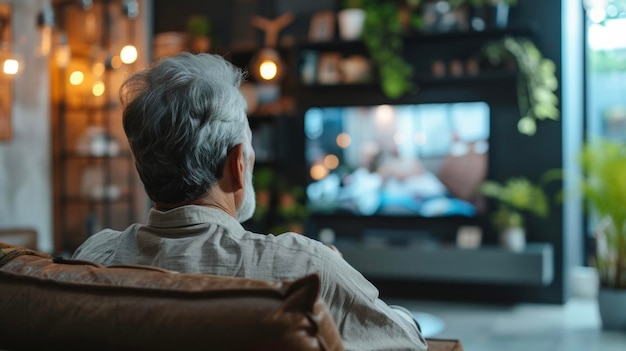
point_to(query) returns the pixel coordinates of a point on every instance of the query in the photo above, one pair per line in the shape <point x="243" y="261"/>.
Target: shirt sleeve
<point x="97" y="248"/>
<point x="365" y="322"/>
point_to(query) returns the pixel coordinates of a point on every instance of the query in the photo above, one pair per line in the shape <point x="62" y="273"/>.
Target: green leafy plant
<point x="382" y="34"/>
<point x="199" y="26"/>
<point x="515" y="197"/>
<point x="352" y="4"/>
<point x="262" y="180"/>
<point x="536" y="80"/>
<point x="291" y="211"/>
<point x="279" y="204"/>
<point x="603" y="186"/>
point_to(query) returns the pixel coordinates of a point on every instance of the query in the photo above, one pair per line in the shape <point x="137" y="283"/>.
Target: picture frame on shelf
<point x="322" y="27"/>
<point x="329" y="68"/>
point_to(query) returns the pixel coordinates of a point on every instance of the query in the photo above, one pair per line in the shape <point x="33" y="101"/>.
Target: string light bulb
<point x="98" y="88"/>
<point x="11" y="66"/>
<point x="128" y="54"/>
<point x="77" y="78"/>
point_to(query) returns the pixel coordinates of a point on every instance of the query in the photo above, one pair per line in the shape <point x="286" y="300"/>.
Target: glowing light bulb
<point x="77" y="77"/>
<point x="11" y="66"/>
<point x="98" y="88"/>
<point x="268" y="69"/>
<point x="128" y="54"/>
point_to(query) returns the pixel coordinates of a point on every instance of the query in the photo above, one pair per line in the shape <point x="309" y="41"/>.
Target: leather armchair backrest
<point x="48" y="303"/>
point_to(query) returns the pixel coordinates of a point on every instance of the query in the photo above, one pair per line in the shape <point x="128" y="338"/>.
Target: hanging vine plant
<point x="383" y="37"/>
<point x="536" y="80"/>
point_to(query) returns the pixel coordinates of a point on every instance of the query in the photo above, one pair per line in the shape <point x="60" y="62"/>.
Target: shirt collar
<point x="185" y="216"/>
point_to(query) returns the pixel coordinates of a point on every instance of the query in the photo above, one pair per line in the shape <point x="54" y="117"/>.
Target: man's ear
<point x="237" y="165"/>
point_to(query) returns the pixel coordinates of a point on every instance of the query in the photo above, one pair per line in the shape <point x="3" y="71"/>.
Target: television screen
<point x="402" y="160"/>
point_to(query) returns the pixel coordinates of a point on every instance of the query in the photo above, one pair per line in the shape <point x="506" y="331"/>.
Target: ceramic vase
<point x="612" y="306"/>
<point x="513" y="239"/>
<point x="351" y="23"/>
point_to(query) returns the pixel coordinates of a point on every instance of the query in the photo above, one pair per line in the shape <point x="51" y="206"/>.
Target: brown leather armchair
<point x="48" y="303"/>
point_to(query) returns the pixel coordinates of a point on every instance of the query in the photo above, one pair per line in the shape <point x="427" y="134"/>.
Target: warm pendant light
<point x="128" y="54"/>
<point x="267" y="66"/>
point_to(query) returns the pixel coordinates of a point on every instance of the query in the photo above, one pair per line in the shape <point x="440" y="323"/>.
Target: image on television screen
<point x="400" y="160"/>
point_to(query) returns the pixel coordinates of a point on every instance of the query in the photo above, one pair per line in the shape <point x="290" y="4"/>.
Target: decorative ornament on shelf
<point x="536" y="80"/>
<point x="515" y="197"/>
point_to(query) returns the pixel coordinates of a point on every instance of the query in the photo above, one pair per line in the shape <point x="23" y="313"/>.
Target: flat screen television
<point x="423" y="160"/>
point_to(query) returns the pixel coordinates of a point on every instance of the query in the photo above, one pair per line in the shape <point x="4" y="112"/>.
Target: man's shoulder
<point x="287" y="241"/>
<point x="100" y="246"/>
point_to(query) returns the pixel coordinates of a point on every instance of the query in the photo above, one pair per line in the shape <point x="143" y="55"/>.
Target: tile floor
<point x="574" y="326"/>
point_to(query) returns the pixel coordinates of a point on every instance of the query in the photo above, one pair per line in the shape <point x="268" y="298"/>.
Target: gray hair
<point x="181" y="117"/>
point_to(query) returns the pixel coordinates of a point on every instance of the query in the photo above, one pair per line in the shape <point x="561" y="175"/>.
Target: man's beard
<point x="248" y="204"/>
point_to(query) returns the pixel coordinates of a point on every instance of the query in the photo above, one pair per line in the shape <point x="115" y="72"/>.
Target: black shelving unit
<point x="95" y="181"/>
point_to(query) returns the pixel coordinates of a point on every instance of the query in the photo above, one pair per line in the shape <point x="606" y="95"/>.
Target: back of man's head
<point x="181" y="117"/>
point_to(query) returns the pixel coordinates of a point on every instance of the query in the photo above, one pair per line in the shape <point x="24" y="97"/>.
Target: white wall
<point x="25" y="161"/>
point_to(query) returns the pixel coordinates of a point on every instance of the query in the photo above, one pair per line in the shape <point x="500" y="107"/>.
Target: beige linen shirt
<point x="195" y="239"/>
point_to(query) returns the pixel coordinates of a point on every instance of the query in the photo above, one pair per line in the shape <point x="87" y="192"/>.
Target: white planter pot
<point x="351" y="23"/>
<point x="513" y="239"/>
<point x="612" y="305"/>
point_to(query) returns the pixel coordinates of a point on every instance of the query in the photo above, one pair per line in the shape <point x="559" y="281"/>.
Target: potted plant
<point x="603" y="186"/>
<point x="516" y="197"/>
<point x="199" y="30"/>
<point x="350" y="19"/>
<point x="291" y="211"/>
<point x="262" y="180"/>
<point x="536" y="80"/>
